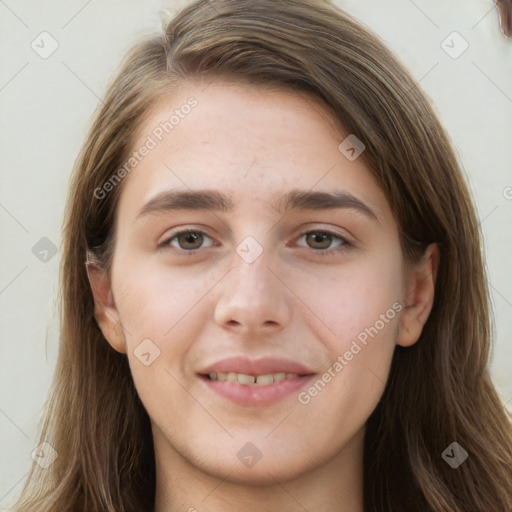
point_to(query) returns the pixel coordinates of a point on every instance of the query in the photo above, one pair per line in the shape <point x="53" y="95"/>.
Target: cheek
<point x="163" y="312"/>
<point x="359" y="307"/>
<point x="348" y="301"/>
<point x="157" y="308"/>
<point x="153" y="299"/>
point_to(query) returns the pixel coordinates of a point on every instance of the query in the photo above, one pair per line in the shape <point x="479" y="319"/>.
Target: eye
<point x="320" y="240"/>
<point x="187" y="240"/>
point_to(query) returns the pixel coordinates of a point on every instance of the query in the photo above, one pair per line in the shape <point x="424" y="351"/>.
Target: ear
<point x="105" y="310"/>
<point x="420" y="281"/>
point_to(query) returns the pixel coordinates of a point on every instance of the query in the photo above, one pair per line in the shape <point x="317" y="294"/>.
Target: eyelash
<point x="345" y="245"/>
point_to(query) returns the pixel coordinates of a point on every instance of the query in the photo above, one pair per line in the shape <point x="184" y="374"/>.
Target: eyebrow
<point x="214" y="200"/>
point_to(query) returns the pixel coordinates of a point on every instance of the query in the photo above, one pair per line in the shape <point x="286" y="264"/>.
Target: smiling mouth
<point x="251" y="380"/>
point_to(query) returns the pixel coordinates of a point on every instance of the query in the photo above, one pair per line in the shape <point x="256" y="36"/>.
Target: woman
<point x="212" y="356"/>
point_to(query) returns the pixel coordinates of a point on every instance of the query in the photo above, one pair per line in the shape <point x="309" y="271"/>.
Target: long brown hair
<point x="439" y="390"/>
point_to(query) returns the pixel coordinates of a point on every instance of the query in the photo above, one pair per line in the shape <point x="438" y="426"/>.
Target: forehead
<point x="251" y="142"/>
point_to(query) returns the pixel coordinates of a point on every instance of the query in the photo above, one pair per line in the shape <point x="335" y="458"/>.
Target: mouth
<point x="248" y="382"/>
<point x="254" y="390"/>
<point x="251" y="380"/>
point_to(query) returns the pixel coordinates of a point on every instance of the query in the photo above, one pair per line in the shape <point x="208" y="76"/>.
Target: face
<point x="299" y="298"/>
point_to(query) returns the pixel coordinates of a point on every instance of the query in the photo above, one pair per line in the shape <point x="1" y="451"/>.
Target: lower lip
<point x="255" y="395"/>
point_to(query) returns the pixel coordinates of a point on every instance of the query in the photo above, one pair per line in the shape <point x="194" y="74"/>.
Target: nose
<point x="253" y="298"/>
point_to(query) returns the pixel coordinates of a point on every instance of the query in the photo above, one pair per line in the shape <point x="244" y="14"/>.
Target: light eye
<point x="321" y="236"/>
<point x="188" y="240"/>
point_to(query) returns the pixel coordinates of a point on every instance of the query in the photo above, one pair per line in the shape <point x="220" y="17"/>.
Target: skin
<point x="256" y="144"/>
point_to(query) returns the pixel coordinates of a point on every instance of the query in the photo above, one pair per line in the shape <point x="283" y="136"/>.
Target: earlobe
<point x="105" y="310"/>
<point x="419" y="296"/>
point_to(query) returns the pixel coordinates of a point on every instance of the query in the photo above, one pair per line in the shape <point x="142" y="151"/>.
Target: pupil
<point x="191" y="238"/>
<point x="319" y="237"/>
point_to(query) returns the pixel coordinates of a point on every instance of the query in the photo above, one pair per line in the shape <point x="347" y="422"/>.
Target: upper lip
<point x="262" y="366"/>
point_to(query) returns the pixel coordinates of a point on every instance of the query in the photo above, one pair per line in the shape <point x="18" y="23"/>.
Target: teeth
<point x="245" y="379"/>
<point x="251" y="380"/>
<point x="265" y="380"/>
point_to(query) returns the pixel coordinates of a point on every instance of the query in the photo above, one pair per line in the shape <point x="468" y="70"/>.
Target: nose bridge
<point x="252" y="296"/>
<point x="251" y="275"/>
